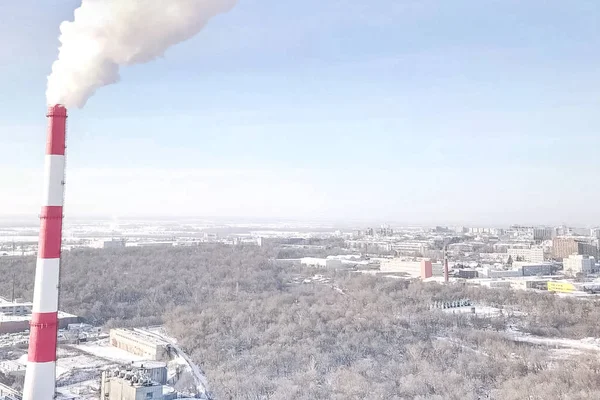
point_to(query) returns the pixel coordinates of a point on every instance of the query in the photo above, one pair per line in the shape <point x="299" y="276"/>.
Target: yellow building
<point x="561" y="287"/>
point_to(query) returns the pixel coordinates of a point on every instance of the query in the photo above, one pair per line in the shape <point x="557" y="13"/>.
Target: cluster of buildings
<point x="521" y="257"/>
<point x="23" y="240"/>
<point x="151" y="378"/>
<point x="15" y="316"/>
<point x="131" y="364"/>
<point x="137" y="381"/>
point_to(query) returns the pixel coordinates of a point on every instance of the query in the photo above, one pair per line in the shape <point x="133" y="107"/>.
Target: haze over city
<point x="268" y="200"/>
<point x="417" y="112"/>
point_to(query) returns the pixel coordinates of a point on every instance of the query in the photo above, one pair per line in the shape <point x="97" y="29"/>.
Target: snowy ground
<point x="103" y="349"/>
<point x="480" y="311"/>
<point x="561" y="345"/>
<point x="71" y="359"/>
<point x="79" y="367"/>
<point x="84" y="390"/>
<point x="14" y="339"/>
<point x="162" y="332"/>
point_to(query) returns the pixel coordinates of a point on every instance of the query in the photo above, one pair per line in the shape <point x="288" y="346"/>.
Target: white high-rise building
<point x="577" y="263"/>
<point x="534" y="255"/>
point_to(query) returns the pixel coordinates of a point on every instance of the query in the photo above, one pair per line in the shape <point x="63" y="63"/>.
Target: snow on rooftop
<point x="27" y="317"/>
<point x="102" y="348"/>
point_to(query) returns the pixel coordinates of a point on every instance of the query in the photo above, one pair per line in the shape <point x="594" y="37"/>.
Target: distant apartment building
<point x="564" y="247"/>
<point x="368" y="245"/>
<point x="579" y="264"/>
<point x="413" y="267"/>
<point x="486" y="231"/>
<point x="543" y="233"/>
<point x="458" y="247"/>
<point x="460" y="229"/>
<point x="534" y="255"/>
<point x="579" y="231"/>
<point x="410" y="248"/>
<point x="520" y="230"/>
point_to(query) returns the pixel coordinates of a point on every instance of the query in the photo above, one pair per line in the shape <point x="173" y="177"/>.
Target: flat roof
<point x="18" y="318"/>
<point x="141" y="335"/>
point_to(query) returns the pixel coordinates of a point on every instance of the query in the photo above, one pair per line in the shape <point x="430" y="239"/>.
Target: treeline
<point x="257" y="335"/>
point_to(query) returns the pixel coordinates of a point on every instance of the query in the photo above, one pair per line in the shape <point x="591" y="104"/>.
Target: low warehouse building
<point x="321" y="262"/>
<point x="16" y="316"/>
<point x="139" y="344"/>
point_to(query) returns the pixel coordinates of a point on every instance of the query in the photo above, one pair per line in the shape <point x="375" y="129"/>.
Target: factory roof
<point x="27" y="317"/>
<point x="149" y="364"/>
<point x="136" y="333"/>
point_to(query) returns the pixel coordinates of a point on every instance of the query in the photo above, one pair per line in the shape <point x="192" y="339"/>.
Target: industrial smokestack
<point x="107" y="34"/>
<point x="41" y="366"/>
<point x="446" y="272"/>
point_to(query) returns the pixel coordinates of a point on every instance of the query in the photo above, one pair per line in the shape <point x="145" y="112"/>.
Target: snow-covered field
<point x="70" y="360"/>
<point x="587" y="344"/>
<point x="103" y="349"/>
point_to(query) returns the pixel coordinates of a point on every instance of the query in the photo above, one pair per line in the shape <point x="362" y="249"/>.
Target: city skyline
<point x="412" y="113"/>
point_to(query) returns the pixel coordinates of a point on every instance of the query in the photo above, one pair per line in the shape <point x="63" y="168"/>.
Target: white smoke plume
<point x="106" y="34"/>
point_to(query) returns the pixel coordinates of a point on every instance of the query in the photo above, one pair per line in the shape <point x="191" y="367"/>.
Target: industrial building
<point x="140" y="380"/>
<point x="535" y="269"/>
<point x="488" y="272"/>
<point x="579" y="264"/>
<point x="156" y="370"/>
<point x="321" y="262"/>
<point x="520" y="269"/>
<point x="14" y="308"/>
<point x="16" y="316"/>
<point x="528" y="284"/>
<point x="8" y="393"/>
<point x="129" y="384"/>
<point x="494" y="284"/>
<point x="467" y="273"/>
<point x="114" y="244"/>
<point x="137" y="343"/>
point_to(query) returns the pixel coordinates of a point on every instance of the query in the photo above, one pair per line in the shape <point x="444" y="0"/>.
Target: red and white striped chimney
<point x="40" y="377"/>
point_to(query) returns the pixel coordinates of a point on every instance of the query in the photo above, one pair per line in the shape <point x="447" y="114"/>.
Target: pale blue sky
<point x="416" y="111"/>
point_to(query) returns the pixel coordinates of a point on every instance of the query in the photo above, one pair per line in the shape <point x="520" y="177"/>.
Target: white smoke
<point x="106" y="34"/>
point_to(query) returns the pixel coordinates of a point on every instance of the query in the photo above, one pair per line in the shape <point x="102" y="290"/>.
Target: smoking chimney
<point x="41" y="366"/>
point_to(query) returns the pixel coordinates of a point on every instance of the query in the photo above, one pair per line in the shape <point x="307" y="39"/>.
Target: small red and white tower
<point x="40" y="377"/>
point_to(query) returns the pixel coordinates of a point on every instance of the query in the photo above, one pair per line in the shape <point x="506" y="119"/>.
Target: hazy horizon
<point x="354" y="223"/>
<point x="407" y="112"/>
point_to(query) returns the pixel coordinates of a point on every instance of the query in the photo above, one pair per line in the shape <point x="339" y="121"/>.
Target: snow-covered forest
<point x="260" y="333"/>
